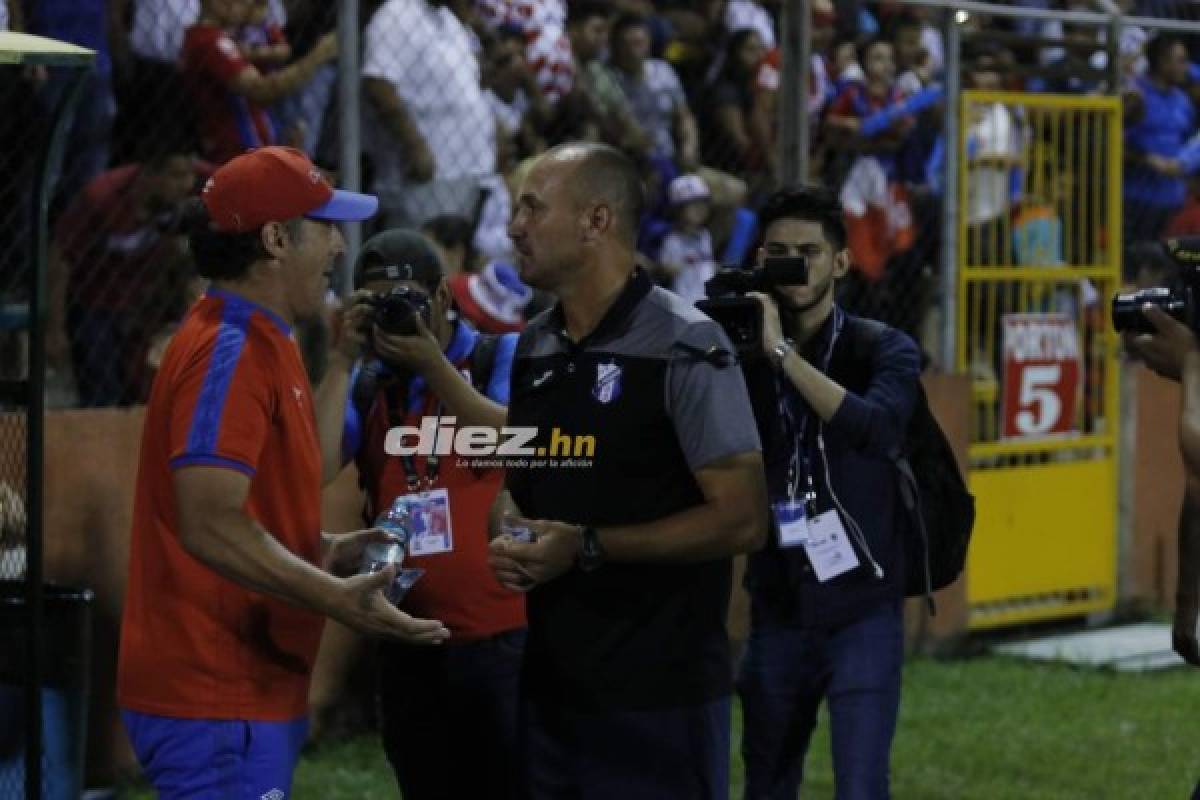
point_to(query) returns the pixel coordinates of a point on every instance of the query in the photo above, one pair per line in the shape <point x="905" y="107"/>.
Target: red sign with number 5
<point x="1042" y="367"/>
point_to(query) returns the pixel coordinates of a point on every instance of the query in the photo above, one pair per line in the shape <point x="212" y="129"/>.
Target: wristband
<point x="591" y="552"/>
<point x="780" y="351"/>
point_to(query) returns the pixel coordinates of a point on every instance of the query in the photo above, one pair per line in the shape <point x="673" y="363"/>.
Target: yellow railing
<point x="1057" y="189"/>
<point x="1039" y="235"/>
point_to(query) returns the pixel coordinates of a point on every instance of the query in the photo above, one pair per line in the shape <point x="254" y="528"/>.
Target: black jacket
<point x="880" y="375"/>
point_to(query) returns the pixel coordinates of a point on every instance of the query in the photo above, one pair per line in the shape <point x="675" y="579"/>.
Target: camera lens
<point x="785" y="271"/>
<point x="1127" y="308"/>
<point x="396" y="312"/>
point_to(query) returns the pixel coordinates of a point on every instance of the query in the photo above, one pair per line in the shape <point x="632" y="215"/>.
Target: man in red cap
<point x="230" y="575"/>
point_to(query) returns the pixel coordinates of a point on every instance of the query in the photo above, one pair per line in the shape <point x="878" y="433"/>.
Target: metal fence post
<point x="793" y="101"/>
<point x="349" y="126"/>
<point x="1112" y="48"/>
<point x="1128" y="383"/>
<point x="49" y="169"/>
<point x="803" y="127"/>
<point x="950" y="133"/>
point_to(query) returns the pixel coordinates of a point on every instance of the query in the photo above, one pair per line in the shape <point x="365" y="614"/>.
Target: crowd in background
<point x="458" y="96"/>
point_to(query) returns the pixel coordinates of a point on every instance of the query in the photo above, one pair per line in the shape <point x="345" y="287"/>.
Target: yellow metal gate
<point x="1039" y="258"/>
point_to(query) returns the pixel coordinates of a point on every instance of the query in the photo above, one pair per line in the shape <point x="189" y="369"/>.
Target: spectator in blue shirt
<point x="1159" y="120"/>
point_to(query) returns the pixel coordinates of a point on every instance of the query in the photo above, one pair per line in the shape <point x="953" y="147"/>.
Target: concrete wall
<point x="1158" y="494"/>
<point x="90" y="467"/>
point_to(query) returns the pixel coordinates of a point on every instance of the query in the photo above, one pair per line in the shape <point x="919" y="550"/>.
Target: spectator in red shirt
<point x="858" y="101"/>
<point x="230" y="93"/>
<point x="118" y="269"/>
<point x="1186" y="221"/>
<point x="542" y="24"/>
<point x="878" y="214"/>
<point x="262" y="41"/>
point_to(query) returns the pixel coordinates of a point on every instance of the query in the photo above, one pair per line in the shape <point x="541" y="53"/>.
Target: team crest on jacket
<point x="608" y="383"/>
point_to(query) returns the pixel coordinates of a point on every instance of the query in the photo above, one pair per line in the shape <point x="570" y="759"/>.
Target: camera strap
<point x="800" y="456"/>
<point x="416" y="481"/>
<point x="421" y="400"/>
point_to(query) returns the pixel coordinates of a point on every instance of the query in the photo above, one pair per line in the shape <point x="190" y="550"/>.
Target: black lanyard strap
<point x="433" y="462"/>
<point x="798" y="430"/>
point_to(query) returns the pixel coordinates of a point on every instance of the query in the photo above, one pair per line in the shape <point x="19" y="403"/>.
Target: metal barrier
<point x="33" y="759"/>
<point x="1039" y="257"/>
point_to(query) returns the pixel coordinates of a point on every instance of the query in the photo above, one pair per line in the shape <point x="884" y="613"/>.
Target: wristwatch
<point x="779" y="352"/>
<point x="591" y="553"/>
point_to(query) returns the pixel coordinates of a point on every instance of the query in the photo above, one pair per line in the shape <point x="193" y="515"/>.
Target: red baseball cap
<point x="275" y="184"/>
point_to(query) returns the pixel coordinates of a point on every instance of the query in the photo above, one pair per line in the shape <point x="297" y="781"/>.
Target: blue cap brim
<point x="346" y="207"/>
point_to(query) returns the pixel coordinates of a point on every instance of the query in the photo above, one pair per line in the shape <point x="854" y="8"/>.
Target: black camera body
<point x="1177" y="301"/>
<point x="739" y="316"/>
<point x="396" y="311"/>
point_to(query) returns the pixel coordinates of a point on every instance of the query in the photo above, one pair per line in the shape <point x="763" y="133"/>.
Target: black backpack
<point x="941" y="510"/>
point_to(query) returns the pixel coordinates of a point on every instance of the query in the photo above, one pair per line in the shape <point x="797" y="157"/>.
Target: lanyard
<point x="800" y="430"/>
<point x="433" y="462"/>
<point x="462" y="344"/>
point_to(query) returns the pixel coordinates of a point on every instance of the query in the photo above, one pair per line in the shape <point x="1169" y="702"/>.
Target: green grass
<point x="983" y="728"/>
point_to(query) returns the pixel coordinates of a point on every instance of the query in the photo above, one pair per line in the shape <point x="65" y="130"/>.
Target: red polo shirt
<point x="232" y="393"/>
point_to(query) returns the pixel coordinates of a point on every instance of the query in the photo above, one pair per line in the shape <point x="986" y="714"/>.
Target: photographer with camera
<point x="1170" y="348"/>
<point x="449" y="714"/>
<point x="827" y="591"/>
<point x="1159" y="326"/>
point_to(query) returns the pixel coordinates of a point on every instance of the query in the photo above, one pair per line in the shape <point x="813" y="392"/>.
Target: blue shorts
<point x="207" y="759"/>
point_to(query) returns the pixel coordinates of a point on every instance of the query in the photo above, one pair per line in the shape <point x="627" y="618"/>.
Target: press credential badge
<point x="432" y="532"/>
<point x="792" y="521"/>
<point x="828" y="548"/>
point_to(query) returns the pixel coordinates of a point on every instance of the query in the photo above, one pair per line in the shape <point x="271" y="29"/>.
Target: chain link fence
<point x="43" y="693"/>
<point x="458" y="98"/>
<point x="456" y="101"/>
<point x="17" y="674"/>
<point x="876" y="105"/>
<point x="172" y="96"/>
